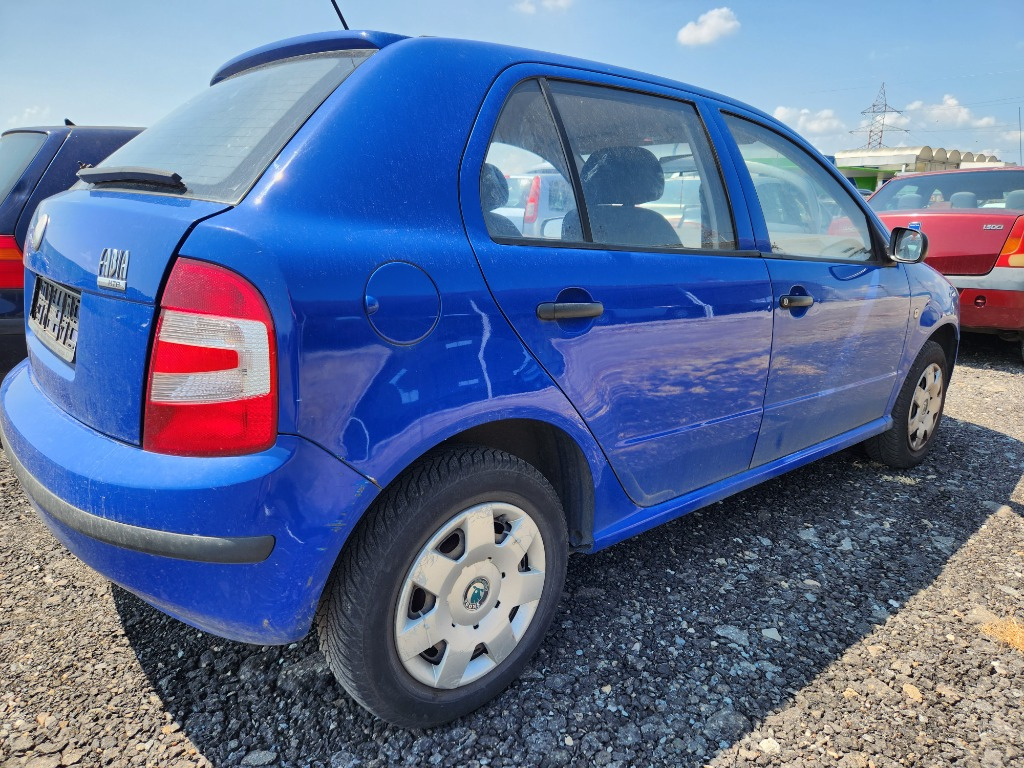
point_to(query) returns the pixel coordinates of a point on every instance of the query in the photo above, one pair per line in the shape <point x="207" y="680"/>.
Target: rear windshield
<point x="16" y="152"/>
<point x="959" y="189"/>
<point x="222" y="140"/>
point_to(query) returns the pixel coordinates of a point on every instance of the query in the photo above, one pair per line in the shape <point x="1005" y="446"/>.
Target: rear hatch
<point x="94" y="366"/>
<point x="960" y="242"/>
<point x="106" y="247"/>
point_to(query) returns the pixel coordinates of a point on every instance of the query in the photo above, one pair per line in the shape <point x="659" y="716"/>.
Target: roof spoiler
<point x="322" y="42"/>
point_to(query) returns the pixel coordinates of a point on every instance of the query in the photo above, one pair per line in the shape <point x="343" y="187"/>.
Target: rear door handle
<point x="795" y="301"/>
<point x="568" y="310"/>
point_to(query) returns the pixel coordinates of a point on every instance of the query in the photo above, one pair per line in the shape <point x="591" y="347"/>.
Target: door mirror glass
<point x="908" y="246"/>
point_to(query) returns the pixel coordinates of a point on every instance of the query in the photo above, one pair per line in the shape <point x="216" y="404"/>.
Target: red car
<point x="974" y="220"/>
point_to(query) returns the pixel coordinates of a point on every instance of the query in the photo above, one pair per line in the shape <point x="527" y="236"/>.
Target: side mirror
<point x="907" y="246"/>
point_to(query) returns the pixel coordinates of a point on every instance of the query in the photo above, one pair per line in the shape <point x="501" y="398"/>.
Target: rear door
<point x="649" y="318"/>
<point x="841" y="307"/>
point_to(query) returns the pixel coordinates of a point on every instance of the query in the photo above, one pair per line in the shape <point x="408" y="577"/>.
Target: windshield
<point x="956" y="190"/>
<point x="16" y="152"/>
<point x="222" y="140"/>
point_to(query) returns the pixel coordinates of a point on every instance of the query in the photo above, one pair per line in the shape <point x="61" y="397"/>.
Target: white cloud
<point x="34" y="115"/>
<point x="809" y="123"/>
<point x="709" y="27"/>
<point x="530" y="6"/>
<point x="950" y="113"/>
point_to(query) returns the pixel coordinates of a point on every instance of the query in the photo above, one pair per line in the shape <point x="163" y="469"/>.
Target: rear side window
<point x="16" y="152"/>
<point x="222" y="140"/>
<point x="648" y="173"/>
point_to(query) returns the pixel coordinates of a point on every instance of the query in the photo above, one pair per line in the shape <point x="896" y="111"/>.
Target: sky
<point x="954" y="69"/>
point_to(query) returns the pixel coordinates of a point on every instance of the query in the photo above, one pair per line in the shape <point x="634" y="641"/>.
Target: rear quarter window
<point x="17" y="150"/>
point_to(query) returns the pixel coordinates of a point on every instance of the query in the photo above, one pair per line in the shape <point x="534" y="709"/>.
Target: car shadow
<point x="668" y="648"/>
<point x="985" y="349"/>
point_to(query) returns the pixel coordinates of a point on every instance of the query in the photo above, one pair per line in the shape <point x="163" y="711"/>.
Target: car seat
<point x="908" y="201"/>
<point x="616" y="181"/>
<point x="494" y="194"/>
<point x="1015" y="199"/>
<point x="963" y="200"/>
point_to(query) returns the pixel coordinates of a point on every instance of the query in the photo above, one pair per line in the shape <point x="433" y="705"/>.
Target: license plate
<point x="54" y="317"/>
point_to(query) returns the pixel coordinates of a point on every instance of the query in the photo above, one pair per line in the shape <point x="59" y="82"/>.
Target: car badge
<point x="476" y="594"/>
<point x="113" y="269"/>
<point x="992" y="226"/>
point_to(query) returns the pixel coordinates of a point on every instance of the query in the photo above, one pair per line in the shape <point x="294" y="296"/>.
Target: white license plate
<point x="54" y="317"/>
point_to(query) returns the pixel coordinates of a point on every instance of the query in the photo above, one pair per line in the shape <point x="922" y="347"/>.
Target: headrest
<point x="963" y="200"/>
<point x="622" y="175"/>
<point x="1015" y="199"/>
<point x="493" y="188"/>
<point x="909" y="200"/>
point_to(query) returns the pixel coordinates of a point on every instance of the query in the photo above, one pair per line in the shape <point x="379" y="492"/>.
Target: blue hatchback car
<point x="288" y="364"/>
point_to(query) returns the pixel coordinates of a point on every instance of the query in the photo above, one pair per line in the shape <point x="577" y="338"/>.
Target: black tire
<point x="901" y="446"/>
<point x="358" y="618"/>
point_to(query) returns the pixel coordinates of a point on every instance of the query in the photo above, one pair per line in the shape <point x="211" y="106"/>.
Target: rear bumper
<point x="992" y="302"/>
<point x="237" y="546"/>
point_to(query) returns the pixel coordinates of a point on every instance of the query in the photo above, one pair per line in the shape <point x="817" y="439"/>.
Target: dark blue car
<point x="289" y="364"/>
<point x="35" y="163"/>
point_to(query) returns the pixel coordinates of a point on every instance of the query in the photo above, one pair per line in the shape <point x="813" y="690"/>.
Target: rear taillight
<point x="532" y="202"/>
<point x="1012" y="254"/>
<point x="12" y="271"/>
<point x="212" y="387"/>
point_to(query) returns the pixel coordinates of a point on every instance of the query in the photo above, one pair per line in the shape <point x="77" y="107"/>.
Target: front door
<point x="841" y="307"/>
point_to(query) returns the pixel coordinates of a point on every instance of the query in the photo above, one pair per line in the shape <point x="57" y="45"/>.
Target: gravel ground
<point x="830" y="617"/>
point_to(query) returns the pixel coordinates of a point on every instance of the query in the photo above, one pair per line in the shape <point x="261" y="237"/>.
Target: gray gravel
<point x="830" y="617"/>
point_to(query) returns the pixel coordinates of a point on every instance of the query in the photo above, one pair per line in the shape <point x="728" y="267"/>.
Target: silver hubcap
<point x="470" y="595"/>
<point x="925" y="407"/>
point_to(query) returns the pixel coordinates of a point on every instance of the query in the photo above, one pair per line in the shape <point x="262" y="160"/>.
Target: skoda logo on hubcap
<point x="476" y="594"/>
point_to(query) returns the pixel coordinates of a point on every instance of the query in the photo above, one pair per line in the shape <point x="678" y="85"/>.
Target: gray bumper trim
<point x="180" y="546"/>
<point x="999" y="279"/>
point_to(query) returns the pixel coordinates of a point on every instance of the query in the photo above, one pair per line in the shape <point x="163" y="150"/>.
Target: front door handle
<point x="793" y="301"/>
<point x="569" y="310"/>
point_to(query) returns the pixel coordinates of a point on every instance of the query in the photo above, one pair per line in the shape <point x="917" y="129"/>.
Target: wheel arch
<point x="556" y="455"/>
<point x="946" y="336"/>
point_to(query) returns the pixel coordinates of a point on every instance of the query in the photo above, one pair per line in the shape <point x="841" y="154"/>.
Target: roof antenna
<point x="337" y="10"/>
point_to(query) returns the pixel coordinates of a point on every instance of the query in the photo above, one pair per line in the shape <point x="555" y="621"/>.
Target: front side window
<point x="648" y="174"/>
<point x="807" y="211"/>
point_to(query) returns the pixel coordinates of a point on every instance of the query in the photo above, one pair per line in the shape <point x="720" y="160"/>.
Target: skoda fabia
<point x="289" y="364"/>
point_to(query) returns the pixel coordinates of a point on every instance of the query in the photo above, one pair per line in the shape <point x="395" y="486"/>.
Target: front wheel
<point x="917" y="412"/>
<point x="446" y="588"/>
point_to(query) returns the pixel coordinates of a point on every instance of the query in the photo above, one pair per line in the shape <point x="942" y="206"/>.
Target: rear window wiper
<point x="132" y="175"/>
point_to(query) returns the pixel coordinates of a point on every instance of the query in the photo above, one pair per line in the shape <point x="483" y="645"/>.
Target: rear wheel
<point x="446" y="588"/>
<point x="916" y="414"/>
